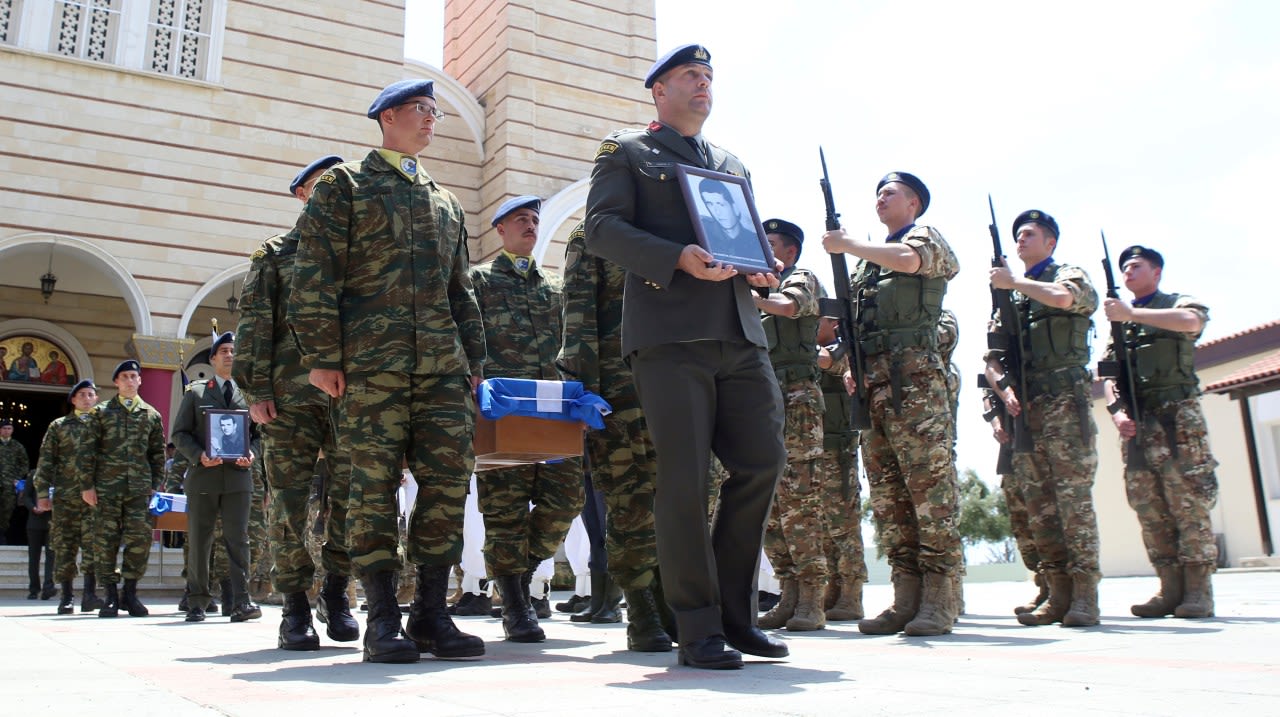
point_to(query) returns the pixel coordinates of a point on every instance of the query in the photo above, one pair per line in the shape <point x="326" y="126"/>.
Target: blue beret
<point x="782" y="226"/>
<point x="83" y="383"/>
<point x="316" y="166"/>
<point x="1135" y="252"/>
<point x="397" y="93"/>
<point x="126" y="365"/>
<point x="1035" y="216"/>
<point x="527" y="200"/>
<point x="226" y="338"/>
<point x="682" y="55"/>
<point x="912" y="181"/>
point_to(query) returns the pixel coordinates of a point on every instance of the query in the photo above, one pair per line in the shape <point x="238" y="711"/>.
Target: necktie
<point x="226" y="392"/>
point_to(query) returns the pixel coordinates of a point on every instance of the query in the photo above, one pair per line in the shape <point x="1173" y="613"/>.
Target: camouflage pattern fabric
<point x="70" y="523"/>
<point x="122" y="456"/>
<point x="381" y="291"/>
<point x="842" y="491"/>
<point x="1020" y="522"/>
<point x="1174" y="493"/>
<point x="793" y="537"/>
<point x="14" y="464"/>
<point x="1056" y="479"/>
<point x="620" y="455"/>
<point x="259" y="543"/>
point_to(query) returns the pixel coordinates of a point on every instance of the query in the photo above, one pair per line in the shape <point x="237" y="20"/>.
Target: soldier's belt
<point x="885" y="341"/>
<point x="1055" y="381"/>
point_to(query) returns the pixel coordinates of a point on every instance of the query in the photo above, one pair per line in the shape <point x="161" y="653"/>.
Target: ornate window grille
<point x="178" y="37"/>
<point x="10" y="13"/>
<point x="85" y="28"/>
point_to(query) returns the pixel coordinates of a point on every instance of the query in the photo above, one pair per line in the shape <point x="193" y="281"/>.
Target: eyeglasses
<point x="425" y="110"/>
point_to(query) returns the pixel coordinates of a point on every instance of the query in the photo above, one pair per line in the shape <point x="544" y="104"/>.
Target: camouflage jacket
<point x="14" y="462"/>
<point x="592" y="346"/>
<point x="381" y="276"/>
<point x="523" y="318"/>
<point x="57" y="467"/>
<point x="268" y="365"/>
<point x="121" y="448"/>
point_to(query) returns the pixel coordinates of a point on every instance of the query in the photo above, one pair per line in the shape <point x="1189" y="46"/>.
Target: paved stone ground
<point x="991" y="665"/>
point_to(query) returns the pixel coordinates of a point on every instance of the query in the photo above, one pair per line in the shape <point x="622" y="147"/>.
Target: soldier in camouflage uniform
<point x="1054" y="302"/>
<point x="1172" y="486"/>
<point x="388" y="325"/>
<point x="948" y="337"/>
<point x="523" y="321"/>
<point x="71" y="519"/>
<point x="621" y="456"/>
<point x="842" y="491"/>
<point x="295" y="423"/>
<point x="121" y="457"/>
<point x="793" y="537"/>
<point x="14" y="464"/>
<point x="259" y="538"/>
<point x="909" y="460"/>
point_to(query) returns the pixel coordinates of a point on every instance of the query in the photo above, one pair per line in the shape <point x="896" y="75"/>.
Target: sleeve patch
<point x="606" y="148"/>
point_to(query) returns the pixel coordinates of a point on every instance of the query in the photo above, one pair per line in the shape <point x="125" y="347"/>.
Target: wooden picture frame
<point x="723" y="212"/>
<point x="226" y="433"/>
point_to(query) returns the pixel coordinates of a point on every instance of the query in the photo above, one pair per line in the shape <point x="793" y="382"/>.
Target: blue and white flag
<point x="560" y="400"/>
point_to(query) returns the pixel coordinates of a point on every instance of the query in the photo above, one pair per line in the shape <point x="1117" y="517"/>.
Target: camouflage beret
<point x="1035" y="216"/>
<point x="683" y="55"/>
<point x="911" y="181"/>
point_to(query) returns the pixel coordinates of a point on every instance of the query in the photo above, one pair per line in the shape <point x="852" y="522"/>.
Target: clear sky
<point x="1156" y="122"/>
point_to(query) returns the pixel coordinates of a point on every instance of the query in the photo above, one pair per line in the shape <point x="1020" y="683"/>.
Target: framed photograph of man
<point x="724" y="217"/>
<point x="226" y="433"/>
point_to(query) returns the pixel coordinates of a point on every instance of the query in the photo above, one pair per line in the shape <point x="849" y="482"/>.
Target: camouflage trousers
<point x="912" y="474"/>
<point x="8" y="503"/>
<point x="291" y="445"/>
<point x="1174" y="492"/>
<point x="122" y="518"/>
<point x="842" y="502"/>
<point x="219" y="563"/>
<point x="518" y="537"/>
<point x="797" y="528"/>
<point x="259" y="542"/>
<point x="386" y="419"/>
<point x="622" y="470"/>
<point x="1056" y="479"/>
<point x="71" y="532"/>
<point x="1020" y="522"/>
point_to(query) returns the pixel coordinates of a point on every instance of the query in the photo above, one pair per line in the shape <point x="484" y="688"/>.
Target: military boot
<point x="67" y="604"/>
<point x="430" y="626"/>
<point x="1167" y="598"/>
<point x="609" y="611"/>
<point x="90" y="601"/>
<point x="539" y="607"/>
<point x="831" y="595"/>
<point x="296" y="630"/>
<point x="1042" y="583"/>
<point x="1056" y="606"/>
<point x="595" y="601"/>
<point x="1084" y="601"/>
<point x="808" y="614"/>
<point x="957" y="596"/>
<point x="936" y="615"/>
<point x="519" y="622"/>
<point x="906" y="602"/>
<point x="644" y="623"/>
<point x="778" y="615"/>
<point x="848" y="605"/>
<point x="1197" y="600"/>
<point x="334" y="610"/>
<point x="110" y="606"/>
<point x="382" y="635"/>
<point x="129" y="600"/>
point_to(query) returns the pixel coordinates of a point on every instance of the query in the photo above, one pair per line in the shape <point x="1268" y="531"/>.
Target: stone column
<point x="161" y="357"/>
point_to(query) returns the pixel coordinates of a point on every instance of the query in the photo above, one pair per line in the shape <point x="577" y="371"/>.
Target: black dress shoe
<point x="246" y="611"/>
<point x="33" y="594"/>
<point x="710" y="653"/>
<point x="754" y="641"/>
<point x="195" y="614"/>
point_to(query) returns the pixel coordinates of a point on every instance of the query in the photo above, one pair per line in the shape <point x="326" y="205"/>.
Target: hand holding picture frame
<point x="226" y="433"/>
<point x="724" y="217"/>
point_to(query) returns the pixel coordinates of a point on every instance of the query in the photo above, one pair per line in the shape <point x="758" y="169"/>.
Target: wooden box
<point x="171" y="521"/>
<point x="519" y="440"/>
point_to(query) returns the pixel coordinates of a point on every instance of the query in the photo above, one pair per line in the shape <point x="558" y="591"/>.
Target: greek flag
<point x="560" y="400"/>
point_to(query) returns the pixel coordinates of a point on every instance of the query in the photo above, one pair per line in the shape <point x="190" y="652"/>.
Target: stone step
<point x="164" y="572"/>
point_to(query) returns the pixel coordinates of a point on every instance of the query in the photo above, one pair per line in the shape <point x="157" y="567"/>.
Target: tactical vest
<point x="900" y="311"/>
<point x="1165" y="367"/>
<point x="793" y="346"/>
<point x="1053" y="338"/>
<point x="836" y="426"/>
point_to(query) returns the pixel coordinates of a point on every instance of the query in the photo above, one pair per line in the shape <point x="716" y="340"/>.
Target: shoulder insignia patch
<point x="578" y="233"/>
<point x="607" y="147"/>
<point x="328" y="177"/>
<point x="257" y="255"/>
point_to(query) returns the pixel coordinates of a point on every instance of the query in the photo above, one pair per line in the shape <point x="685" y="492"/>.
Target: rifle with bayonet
<point x="1121" y="368"/>
<point x="1007" y="339"/>
<point x="847" y="310"/>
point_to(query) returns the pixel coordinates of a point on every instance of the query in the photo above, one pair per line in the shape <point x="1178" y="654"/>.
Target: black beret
<point x="316" y="166"/>
<point x="5" y="422"/>
<point x="782" y="226"/>
<point x="83" y="383"/>
<point x="226" y="338"/>
<point x="912" y="181"/>
<point x="527" y="200"/>
<point x="1136" y="251"/>
<point x="398" y="93"/>
<point x="1035" y="216"/>
<point x="682" y="55"/>
<point x="126" y="365"/>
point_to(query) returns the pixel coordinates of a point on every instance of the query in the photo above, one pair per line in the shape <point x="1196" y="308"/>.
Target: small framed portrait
<point x="226" y="433"/>
<point x="724" y="217"/>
